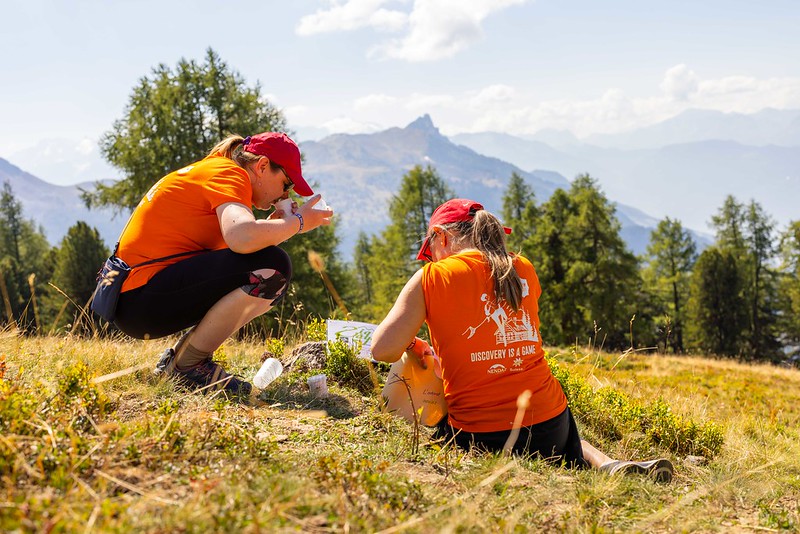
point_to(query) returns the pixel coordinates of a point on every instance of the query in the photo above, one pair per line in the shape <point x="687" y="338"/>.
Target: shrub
<point x="344" y="366"/>
<point x="612" y="413"/>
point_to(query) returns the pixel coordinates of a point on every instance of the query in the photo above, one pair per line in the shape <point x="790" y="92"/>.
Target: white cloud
<point x="680" y="83"/>
<point x="375" y="101"/>
<point x="437" y="29"/>
<point x="86" y="146"/>
<point x="516" y="110"/>
<point x="352" y="15"/>
<point x="441" y="28"/>
<point x="493" y="95"/>
<point x="743" y="94"/>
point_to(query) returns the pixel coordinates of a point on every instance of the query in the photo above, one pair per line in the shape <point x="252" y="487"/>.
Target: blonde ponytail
<point x="231" y="148"/>
<point x="487" y="235"/>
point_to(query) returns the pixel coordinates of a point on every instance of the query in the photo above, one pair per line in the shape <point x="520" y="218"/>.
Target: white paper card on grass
<point x="353" y="333"/>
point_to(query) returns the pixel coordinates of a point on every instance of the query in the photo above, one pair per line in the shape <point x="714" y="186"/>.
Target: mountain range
<point x="358" y="174"/>
<point x="54" y="208"/>
<point x="682" y="168"/>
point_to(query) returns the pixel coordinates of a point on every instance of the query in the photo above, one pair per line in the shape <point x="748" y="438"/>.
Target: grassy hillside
<point x="137" y="454"/>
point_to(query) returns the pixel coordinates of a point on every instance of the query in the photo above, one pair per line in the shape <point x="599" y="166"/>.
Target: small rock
<point x="309" y="356"/>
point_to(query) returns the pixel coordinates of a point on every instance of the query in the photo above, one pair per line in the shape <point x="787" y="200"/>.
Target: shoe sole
<point x="660" y="470"/>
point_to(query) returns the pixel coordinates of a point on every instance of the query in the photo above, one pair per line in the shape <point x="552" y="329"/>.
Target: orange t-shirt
<point x="178" y="214"/>
<point x="489" y="353"/>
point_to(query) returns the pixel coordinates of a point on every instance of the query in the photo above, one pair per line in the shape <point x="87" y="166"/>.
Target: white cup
<point x="270" y="370"/>
<point x="318" y="385"/>
<point x="285" y="205"/>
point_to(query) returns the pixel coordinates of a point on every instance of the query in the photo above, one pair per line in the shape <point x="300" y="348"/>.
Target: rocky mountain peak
<point x="424" y="123"/>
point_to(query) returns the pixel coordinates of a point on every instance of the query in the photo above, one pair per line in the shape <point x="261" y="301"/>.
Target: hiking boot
<point x="166" y="363"/>
<point x="659" y="470"/>
<point x="205" y="376"/>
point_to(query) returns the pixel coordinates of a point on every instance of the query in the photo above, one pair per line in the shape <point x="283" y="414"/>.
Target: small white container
<point x="318" y="385"/>
<point x="270" y="370"/>
<point x="284" y="205"/>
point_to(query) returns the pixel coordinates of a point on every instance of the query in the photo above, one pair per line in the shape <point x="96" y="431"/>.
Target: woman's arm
<point x="402" y="323"/>
<point x="243" y="233"/>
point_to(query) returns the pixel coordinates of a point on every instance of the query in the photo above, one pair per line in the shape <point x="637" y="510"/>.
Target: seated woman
<point x="481" y="306"/>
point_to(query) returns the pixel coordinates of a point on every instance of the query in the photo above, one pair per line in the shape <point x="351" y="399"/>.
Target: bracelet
<point x="411" y="345"/>
<point x="301" y="221"/>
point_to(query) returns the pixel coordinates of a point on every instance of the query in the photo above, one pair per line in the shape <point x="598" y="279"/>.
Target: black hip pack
<point x="110" y="278"/>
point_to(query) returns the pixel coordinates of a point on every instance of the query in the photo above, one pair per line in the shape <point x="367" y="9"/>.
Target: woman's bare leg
<point x="593" y="455"/>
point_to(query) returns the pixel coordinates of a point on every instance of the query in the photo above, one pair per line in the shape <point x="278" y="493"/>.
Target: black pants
<point x="556" y="439"/>
<point x="180" y="295"/>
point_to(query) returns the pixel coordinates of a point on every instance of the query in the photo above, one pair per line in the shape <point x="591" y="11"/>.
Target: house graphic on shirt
<point x="515" y="329"/>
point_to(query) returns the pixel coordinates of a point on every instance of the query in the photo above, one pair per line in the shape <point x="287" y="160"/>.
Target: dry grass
<point x="158" y="459"/>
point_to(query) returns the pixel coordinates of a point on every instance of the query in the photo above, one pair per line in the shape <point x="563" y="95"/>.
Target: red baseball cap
<point x="280" y="148"/>
<point x="454" y="210"/>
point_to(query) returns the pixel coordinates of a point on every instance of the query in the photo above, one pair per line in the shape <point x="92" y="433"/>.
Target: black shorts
<point x="180" y="295"/>
<point x="556" y="439"/>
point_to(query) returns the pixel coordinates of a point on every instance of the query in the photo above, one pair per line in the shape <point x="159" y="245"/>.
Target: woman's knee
<point x="274" y="258"/>
<point x="267" y="284"/>
<point x="271" y="274"/>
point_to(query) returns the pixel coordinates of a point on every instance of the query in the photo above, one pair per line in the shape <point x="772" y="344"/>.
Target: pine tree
<point x="393" y="254"/>
<point x="717" y="310"/>
<point x="761" y="285"/>
<point x="24" y="263"/>
<point x="174" y="118"/>
<point x="729" y="224"/>
<point x="589" y="278"/>
<point x="746" y="233"/>
<point x="78" y="258"/>
<point x="519" y="212"/>
<point x="671" y="254"/>
<point x="789" y="288"/>
<point x="363" y="279"/>
<point x="550" y="253"/>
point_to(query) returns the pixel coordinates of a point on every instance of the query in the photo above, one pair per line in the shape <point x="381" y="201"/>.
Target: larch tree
<point x="717" y="310"/>
<point x="394" y="252"/>
<point x="174" y="117"/>
<point x="671" y="255"/>
<point x="519" y="212"/>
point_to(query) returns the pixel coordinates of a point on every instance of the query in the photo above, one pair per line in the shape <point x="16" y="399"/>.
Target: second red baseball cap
<point x="454" y="210"/>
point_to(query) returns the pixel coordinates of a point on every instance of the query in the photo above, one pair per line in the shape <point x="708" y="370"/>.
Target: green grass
<point x="138" y="454"/>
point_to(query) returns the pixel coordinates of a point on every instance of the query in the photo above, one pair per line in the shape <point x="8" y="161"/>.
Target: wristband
<point x="411" y="345"/>
<point x="301" y="221"/>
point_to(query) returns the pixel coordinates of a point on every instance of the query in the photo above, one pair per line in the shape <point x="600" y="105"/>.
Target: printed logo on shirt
<point x="496" y="369"/>
<point x="510" y="329"/>
<point x="517" y="366"/>
<point x="151" y="193"/>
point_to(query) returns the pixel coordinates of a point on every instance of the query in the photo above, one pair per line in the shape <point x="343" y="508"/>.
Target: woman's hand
<point x="417" y="350"/>
<point x="312" y="217"/>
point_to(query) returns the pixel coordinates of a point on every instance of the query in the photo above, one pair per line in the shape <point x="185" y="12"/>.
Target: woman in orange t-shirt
<point x="216" y="266"/>
<point x="481" y="306"/>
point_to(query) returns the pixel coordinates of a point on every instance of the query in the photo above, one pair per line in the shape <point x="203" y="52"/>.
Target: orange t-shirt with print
<point x="178" y="215"/>
<point x="489" y="353"/>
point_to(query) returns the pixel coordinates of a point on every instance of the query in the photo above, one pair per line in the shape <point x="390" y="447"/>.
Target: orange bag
<point x="410" y="389"/>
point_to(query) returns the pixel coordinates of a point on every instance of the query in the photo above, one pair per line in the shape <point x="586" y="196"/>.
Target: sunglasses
<point x="289" y="183"/>
<point x="426" y="247"/>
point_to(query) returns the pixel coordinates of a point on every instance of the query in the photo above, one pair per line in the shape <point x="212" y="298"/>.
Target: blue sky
<point x="515" y="66"/>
